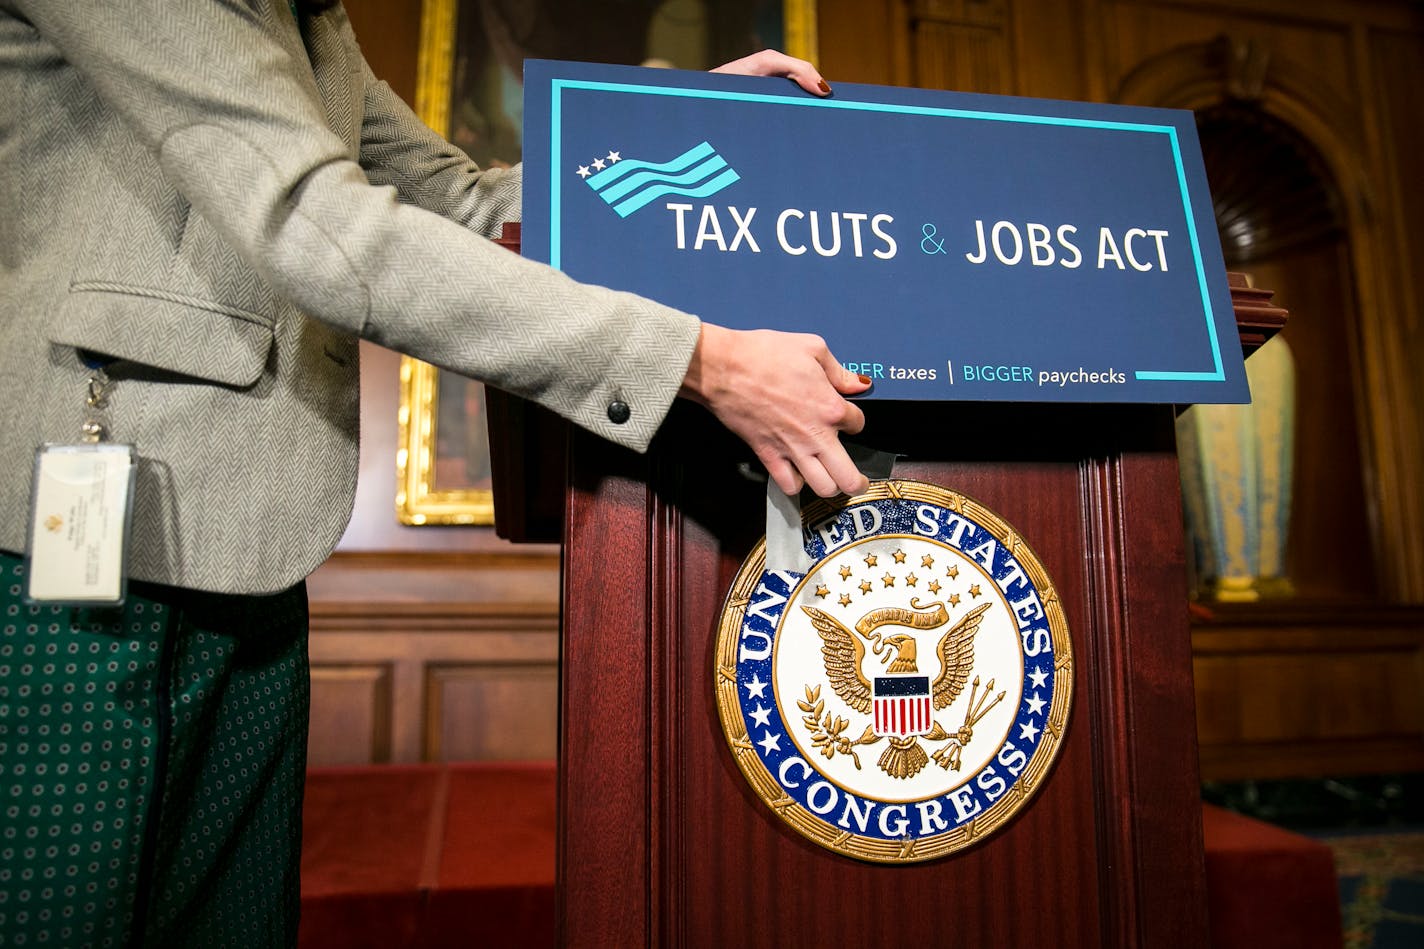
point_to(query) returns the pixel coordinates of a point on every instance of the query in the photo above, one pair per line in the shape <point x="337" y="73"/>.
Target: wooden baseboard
<point x="1309" y="690"/>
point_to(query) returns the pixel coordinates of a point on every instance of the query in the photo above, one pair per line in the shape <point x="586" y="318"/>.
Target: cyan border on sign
<point x="556" y="141"/>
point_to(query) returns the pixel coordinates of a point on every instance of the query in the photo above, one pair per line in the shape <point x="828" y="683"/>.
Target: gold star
<point x="952" y="572"/>
<point x="870" y="560"/>
<point x="899" y="556"/>
<point x="845" y="599"/>
<point x="865" y="586"/>
<point x="954" y="599"/>
<point x="889" y="580"/>
<point x="934" y="586"/>
<point x="926" y="561"/>
<point x="822" y="591"/>
<point x="845" y="571"/>
<point x="974" y="591"/>
<point x="911" y="580"/>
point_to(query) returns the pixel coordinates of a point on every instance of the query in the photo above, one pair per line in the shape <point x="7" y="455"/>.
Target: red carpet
<point x="1268" y="887"/>
<point x="463" y="855"/>
<point x="429" y="855"/>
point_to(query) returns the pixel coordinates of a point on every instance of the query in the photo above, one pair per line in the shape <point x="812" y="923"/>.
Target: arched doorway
<point x="1280" y="219"/>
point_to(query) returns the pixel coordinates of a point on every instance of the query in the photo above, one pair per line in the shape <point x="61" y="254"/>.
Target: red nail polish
<point x="864" y="380"/>
<point x="825" y="89"/>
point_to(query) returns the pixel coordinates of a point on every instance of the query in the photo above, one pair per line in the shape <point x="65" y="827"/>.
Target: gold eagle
<point x="843" y="653"/>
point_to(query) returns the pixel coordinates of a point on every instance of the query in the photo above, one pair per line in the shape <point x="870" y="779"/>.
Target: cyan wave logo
<point x="629" y="184"/>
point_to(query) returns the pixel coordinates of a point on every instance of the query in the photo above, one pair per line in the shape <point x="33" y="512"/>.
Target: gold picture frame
<point x="422" y="495"/>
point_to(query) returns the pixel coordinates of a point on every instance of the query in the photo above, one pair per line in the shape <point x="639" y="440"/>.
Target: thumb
<point x="844" y="381"/>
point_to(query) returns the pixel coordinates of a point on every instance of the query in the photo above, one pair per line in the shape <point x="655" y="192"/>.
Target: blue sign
<point x="949" y="246"/>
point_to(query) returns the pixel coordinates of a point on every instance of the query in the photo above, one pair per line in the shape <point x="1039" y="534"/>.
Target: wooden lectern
<point x="661" y="841"/>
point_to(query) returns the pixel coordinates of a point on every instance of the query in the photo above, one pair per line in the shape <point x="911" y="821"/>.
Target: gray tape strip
<point x="785" y="550"/>
<point x="785" y="543"/>
<point x="873" y="463"/>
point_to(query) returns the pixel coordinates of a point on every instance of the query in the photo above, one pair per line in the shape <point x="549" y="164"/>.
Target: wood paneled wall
<point x="1309" y="692"/>
<point x="1342" y="74"/>
<point x="442" y="643"/>
<point x="434" y="658"/>
<point x="1329" y="681"/>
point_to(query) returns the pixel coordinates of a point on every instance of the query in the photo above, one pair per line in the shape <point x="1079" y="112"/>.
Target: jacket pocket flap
<point x="166" y="332"/>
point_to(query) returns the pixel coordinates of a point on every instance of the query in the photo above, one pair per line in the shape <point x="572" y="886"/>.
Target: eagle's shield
<point x="901" y="705"/>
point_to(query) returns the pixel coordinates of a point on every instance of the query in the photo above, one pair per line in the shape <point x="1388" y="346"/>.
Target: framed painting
<point x="468" y="88"/>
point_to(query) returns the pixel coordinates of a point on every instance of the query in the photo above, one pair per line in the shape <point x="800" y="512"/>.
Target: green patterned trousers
<point x="151" y="768"/>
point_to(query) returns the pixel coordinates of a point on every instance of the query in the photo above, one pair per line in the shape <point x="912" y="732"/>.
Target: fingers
<point x="842" y="475"/>
<point x="830" y="470"/>
<point x="845" y="381"/>
<point x="814" y="473"/>
<point x="853" y="423"/>
<point x="827" y="475"/>
<point x="784" y="473"/>
<point x="770" y="62"/>
<point x="784" y="394"/>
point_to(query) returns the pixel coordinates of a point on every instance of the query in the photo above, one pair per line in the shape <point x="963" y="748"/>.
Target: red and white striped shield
<point x="901" y="705"/>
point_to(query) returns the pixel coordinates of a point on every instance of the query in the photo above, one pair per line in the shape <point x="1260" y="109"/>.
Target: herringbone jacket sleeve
<point x="255" y="130"/>
<point x="399" y="150"/>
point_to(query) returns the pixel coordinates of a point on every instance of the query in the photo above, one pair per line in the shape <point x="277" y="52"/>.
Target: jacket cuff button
<point x="618" y="412"/>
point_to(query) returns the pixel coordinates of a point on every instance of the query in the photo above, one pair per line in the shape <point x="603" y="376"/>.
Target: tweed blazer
<point x="222" y="200"/>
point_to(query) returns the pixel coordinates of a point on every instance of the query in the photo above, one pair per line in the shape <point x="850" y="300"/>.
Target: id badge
<point x="79" y="524"/>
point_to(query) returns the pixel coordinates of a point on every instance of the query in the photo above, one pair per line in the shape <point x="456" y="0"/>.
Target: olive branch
<point x="827" y="730"/>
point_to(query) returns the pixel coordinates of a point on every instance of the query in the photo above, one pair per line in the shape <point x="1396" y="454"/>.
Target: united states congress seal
<point x="907" y="696"/>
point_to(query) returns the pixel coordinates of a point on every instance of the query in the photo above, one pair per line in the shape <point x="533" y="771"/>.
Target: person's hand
<point x="769" y="62"/>
<point x="784" y="395"/>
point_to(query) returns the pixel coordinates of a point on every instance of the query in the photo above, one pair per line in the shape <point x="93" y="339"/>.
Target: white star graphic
<point x="614" y="157"/>
<point x="756" y="689"/>
<point x="1039" y="677"/>
<point x="583" y="171"/>
<point x="770" y="743"/>
<point x="762" y="716"/>
<point x="1028" y="731"/>
<point x="1035" y="705"/>
<point x="598" y="163"/>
